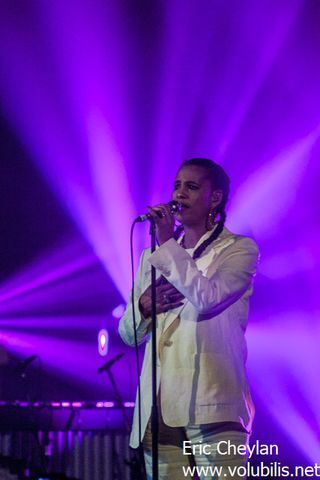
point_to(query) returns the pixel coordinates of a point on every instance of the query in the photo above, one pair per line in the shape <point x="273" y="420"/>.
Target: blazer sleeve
<point x="225" y="281"/>
<point x="126" y="326"/>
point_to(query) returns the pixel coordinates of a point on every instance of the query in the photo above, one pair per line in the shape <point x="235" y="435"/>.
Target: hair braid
<point x="214" y="235"/>
<point x="178" y="232"/>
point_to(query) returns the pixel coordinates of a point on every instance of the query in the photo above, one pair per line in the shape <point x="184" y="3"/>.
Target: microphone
<point x="174" y="208"/>
<point x="109" y="364"/>
<point x="23" y="365"/>
<point x="21" y="368"/>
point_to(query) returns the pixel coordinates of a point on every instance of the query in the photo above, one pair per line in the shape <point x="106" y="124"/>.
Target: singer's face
<point x="193" y="190"/>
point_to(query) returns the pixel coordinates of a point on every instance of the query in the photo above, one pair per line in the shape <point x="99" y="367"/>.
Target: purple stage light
<point x="103" y="342"/>
<point x="289" y="361"/>
<point x="52" y="284"/>
<point x="53" y="280"/>
<point x="62" y="356"/>
<point x="66" y="260"/>
<point x="285" y="264"/>
<point x="105" y="404"/>
<point x="255" y="206"/>
<point x="83" y="162"/>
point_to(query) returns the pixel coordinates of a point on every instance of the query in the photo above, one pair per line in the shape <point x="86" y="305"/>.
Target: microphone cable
<point x="136" y="345"/>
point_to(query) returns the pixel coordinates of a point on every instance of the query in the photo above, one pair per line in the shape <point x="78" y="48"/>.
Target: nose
<point x="180" y="192"/>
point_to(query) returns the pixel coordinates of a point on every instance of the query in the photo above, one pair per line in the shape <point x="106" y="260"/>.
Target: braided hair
<point x="219" y="181"/>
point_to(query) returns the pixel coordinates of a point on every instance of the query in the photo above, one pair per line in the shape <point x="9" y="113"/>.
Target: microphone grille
<point x="174" y="206"/>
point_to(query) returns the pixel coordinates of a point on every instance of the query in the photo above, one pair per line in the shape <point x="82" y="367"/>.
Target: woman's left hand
<point x="164" y="222"/>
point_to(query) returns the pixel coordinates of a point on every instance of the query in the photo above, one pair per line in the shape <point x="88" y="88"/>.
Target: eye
<point x="191" y="186"/>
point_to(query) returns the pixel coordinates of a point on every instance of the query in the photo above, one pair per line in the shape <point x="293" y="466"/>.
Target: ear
<point x="216" y="198"/>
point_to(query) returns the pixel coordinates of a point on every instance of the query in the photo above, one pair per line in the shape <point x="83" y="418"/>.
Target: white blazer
<point x="201" y="345"/>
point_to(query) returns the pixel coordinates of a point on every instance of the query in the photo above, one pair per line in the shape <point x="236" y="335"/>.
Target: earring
<point x="211" y="218"/>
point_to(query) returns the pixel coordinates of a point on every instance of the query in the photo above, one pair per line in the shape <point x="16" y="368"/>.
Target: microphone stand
<point x="154" y="410"/>
<point x="136" y="468"/>
<point x="21" y="371"/>
<point x="119" y="401"/>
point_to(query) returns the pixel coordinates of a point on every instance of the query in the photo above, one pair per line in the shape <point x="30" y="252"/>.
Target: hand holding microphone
<point x="162" y="216"/>
<point x="173" y="206"/>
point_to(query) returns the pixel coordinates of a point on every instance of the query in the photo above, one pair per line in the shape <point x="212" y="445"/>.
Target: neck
<point x="193" y="234"/>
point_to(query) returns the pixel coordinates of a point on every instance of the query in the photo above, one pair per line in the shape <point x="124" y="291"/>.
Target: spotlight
<point x="103" y="342"/>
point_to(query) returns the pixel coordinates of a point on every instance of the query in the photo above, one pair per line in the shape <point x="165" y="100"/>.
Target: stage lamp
<point x="103" y="342"/>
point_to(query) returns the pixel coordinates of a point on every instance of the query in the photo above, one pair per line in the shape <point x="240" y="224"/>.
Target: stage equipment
<point x="93" y="447"/>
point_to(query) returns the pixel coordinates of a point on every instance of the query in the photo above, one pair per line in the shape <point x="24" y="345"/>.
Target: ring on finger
<point x="166" y="298"/>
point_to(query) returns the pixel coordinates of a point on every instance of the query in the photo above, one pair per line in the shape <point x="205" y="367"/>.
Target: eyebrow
<point x="188" y="181"/>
